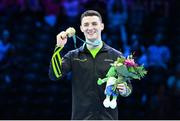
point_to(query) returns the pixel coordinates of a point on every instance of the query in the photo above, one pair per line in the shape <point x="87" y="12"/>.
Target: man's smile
<point x="91" y="32"/>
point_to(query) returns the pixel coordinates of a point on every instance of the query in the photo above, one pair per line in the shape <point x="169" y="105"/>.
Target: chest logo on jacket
<point x="108" y="60"/>
<point x="81" y="60"/>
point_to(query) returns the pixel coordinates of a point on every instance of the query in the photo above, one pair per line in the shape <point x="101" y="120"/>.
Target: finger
<point x="120" y="86"/>
<point x="121" y="91"/>
<point x="63" y="35"/>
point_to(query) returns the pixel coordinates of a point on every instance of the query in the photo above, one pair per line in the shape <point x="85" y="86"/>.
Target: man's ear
<point x="81" y="29"/>
<point x="102" y="26"/>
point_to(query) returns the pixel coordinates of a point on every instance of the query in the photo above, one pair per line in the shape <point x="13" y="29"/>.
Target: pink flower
<point x="130" y="63"/>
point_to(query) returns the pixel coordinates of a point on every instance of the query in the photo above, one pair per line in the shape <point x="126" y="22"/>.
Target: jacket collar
<point x="104" y="48"/>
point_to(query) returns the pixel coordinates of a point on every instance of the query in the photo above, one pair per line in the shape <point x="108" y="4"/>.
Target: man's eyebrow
<point x="86" y="23"/>
<point x="94" y="22"/>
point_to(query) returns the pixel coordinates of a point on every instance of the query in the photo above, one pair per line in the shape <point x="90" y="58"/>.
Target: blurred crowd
<point x="148" y="28"/>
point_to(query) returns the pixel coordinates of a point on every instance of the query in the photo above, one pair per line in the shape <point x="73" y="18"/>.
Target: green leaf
<point x="120" y="60"/>
<point x="131" y="69"/>
<point x="122" y="70"/>
<point x="134" y="76"/>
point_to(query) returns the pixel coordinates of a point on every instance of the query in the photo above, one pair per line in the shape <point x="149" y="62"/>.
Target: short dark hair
<point x="91" y="13"/>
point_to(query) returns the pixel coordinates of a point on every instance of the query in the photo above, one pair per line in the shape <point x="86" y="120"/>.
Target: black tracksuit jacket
<point x="87" y="96"/>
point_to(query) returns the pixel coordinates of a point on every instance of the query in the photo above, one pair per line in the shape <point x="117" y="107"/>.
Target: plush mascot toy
<point x="111" y="84"/>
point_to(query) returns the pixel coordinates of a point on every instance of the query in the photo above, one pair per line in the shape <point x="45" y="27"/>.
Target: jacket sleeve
<point x="59" y="66"/>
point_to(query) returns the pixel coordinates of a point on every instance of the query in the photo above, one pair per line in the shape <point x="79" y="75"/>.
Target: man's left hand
<point x="122" y="88"/>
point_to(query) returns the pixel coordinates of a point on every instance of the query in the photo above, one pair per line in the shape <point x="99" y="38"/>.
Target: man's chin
<point x="92" y="38"/>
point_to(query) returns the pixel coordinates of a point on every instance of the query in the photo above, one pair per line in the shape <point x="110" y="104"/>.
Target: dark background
<point x="28" y="30"/>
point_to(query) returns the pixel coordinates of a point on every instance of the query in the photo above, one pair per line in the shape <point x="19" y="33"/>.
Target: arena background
<point x="28" y="30"/>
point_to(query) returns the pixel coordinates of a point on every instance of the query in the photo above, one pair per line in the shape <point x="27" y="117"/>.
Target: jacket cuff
<point x="58" y="48"/>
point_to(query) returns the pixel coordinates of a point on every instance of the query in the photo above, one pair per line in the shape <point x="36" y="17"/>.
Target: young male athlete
<point x="87" y="63"/>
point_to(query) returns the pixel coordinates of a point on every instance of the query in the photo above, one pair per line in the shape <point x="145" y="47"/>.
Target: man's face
<point x="91" y="26"/>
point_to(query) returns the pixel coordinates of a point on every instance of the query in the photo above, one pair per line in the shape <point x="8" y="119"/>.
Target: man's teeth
<point x="91" y="32"/>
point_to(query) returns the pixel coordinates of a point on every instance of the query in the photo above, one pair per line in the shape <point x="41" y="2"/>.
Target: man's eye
<point x="94" y="24"/>
<point x="86" y="24"/>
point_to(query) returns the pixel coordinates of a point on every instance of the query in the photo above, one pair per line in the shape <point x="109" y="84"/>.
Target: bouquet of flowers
<point x="128" y="69"/>
<point x="121" y="71"/>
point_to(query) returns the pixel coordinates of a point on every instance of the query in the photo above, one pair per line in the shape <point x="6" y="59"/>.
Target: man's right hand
<point x="61" y="39"/>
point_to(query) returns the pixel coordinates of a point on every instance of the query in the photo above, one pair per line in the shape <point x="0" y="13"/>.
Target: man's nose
<point x="90" y="27"/>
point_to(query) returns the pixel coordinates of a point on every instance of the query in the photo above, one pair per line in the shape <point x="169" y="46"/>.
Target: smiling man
<point x="87" y="63"/>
